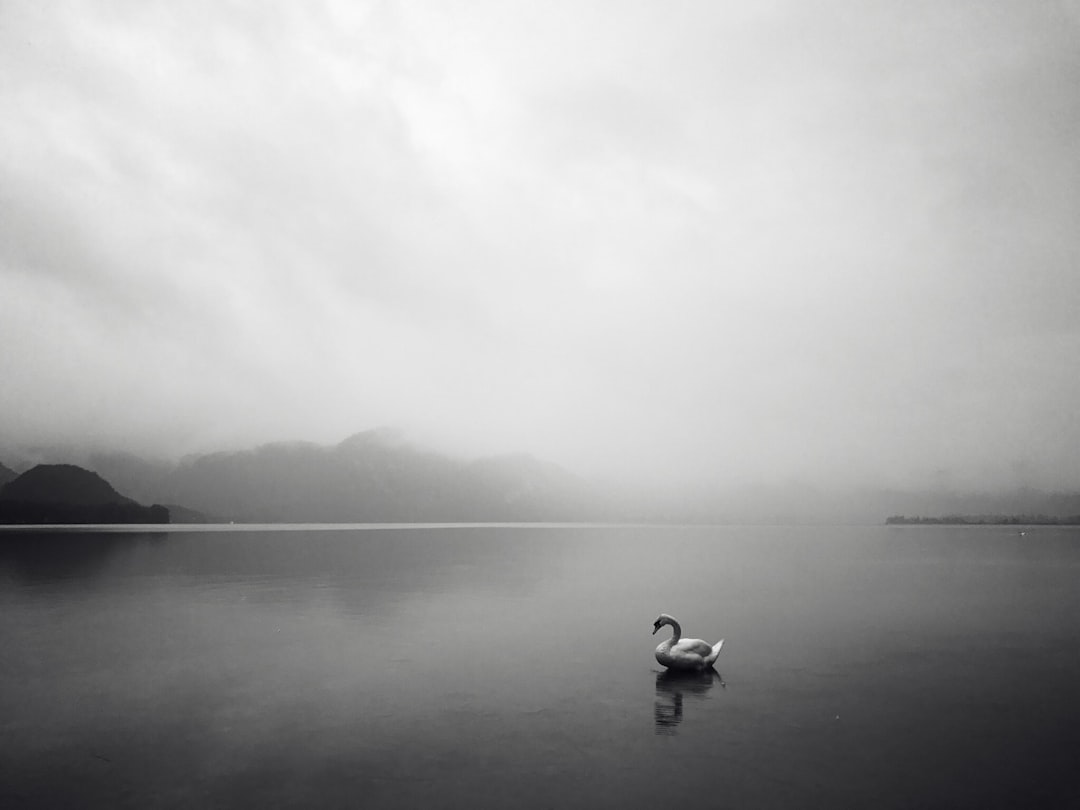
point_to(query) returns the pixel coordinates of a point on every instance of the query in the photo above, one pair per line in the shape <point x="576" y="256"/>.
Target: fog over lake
<point x="513" y="667"/>
<point x="741" y="243"/>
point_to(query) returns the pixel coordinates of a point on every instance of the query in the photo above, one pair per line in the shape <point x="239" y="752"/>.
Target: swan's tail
<point x="711" y="658"/>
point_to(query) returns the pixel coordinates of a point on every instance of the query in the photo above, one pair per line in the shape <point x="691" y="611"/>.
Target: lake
<point x="512" y="666"/>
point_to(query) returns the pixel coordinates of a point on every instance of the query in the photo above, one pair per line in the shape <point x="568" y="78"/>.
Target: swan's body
<point x="684" y="653"/>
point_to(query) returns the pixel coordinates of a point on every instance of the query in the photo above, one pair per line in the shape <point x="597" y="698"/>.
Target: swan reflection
<point x="672" y="686"/>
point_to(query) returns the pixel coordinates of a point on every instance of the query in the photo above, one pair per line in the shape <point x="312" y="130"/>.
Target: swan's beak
<point x="655" y="627"/>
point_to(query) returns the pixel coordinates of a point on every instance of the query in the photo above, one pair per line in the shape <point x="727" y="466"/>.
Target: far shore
<point x="989" y="520"/>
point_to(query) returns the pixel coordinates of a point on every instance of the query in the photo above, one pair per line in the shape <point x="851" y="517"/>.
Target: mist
<point x="673" y="245"/>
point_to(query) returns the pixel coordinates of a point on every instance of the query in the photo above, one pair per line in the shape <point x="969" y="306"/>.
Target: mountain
<point x="64" y="493"/>
<point x="374" y="477"/>
<point x="6" y="475"/>
<point x="378" y="476"/>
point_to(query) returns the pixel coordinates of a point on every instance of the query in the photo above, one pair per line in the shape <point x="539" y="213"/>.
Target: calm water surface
<point x="512" y="667"/>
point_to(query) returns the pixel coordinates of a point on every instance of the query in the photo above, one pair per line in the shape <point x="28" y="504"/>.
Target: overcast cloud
<point x="753" y="241"/>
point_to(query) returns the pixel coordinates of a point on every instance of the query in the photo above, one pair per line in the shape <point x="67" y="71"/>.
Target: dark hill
<point x="61" y="483"/>
<point x="64" y="493"/>
<point x="7" y="474"/>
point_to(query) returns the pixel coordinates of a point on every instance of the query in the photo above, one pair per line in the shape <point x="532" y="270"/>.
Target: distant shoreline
<point x="984" y="520"/>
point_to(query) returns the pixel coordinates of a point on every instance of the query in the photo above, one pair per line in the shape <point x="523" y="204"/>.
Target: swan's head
<point x="661" y="620"/>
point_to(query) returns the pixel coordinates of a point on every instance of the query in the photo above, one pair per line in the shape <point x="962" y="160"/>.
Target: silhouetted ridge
<point x="61" y="483"/>
<point x="64" y="493"/>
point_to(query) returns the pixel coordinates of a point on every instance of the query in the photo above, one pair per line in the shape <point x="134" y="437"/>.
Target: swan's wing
<point x="680" y="659"/>
<point x="711" y="657"/>
<point x="693" y="646"/>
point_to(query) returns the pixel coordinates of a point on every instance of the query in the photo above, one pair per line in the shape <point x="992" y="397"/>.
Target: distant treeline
<point x="979" y="520"/>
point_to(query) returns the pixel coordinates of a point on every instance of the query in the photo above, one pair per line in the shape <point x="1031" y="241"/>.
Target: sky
<point x="830" y="242"/>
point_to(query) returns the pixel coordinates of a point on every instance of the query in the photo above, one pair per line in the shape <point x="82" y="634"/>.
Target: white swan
<point x="684" y="653"/>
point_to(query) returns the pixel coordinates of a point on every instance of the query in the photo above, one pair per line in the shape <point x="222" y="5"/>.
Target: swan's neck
<point x="676" y="630"/>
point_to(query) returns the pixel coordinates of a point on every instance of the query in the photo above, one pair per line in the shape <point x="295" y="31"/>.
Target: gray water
<point x="513" y="667"/>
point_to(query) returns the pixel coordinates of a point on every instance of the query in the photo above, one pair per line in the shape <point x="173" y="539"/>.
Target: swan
<point x="684" y="653"/>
